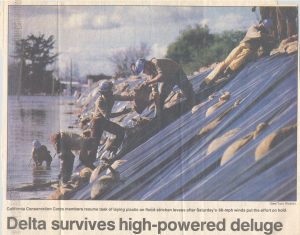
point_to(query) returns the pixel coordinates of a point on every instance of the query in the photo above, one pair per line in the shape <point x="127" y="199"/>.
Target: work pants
<point x="102" y="124"/>
<point x="235" y="60"/>
<point x="88" y="152"/>
<point x="287" y="24"/>
<point x="66" y="166"/>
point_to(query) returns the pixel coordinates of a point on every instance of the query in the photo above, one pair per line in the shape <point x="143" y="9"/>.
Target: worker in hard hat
<point x="64" y="142"/>
<point x="40" y="154"/>
<point x="168" y="73"/>
<point x="102" y="114"/>
<point x="257" y="36"/>
<point x="269" y="12"/>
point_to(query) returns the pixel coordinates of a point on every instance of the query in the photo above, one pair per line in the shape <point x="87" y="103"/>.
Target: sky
<point x="89" y="35"/>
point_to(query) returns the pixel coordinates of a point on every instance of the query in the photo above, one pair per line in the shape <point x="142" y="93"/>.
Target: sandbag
<point x="233" y="148"/>
<point x="220" y="141"/>
<point x="222" y="100"/>
<point x="85" y="173"/>
<point x="237" y="145"/>
<point x="60" y="193"/>
<point x="105" y="184"/>
<point x="213" y="124"/>
<point x="289" y="46"/>
<point x="292" y="47"/>
<point x="56" y="195"/>
<point x="272" y="140"/>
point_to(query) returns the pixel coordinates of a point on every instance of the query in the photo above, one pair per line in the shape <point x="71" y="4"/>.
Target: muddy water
<point x="33" y="117"/>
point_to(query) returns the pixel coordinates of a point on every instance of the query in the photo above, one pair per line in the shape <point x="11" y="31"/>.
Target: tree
<point x="197" y="47"/>
<point x="36" y="56"/>
<point x="191" y="40"/>
<point x="122" y="59"/>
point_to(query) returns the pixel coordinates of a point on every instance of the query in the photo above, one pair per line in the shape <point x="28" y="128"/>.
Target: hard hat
<point x="139" y="66"/>
<point x="105" y="86"/>
<point x="36" y="144"/>
<point x="268" y="24"/>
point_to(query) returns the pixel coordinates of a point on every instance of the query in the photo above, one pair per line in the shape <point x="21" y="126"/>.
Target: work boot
<point x="204" y="84"/>
<point x="228" y="73"/>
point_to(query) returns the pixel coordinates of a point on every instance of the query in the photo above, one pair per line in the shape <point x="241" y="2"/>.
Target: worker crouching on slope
<point x="169" y="74"/>
<point x="40" y="154"/>
<point x="102" y="114"/>
<point x="257" y="36"/>
<point x="66" y="142"/>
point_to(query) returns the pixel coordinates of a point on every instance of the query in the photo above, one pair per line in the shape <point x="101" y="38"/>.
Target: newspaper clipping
<point x="153" y="117"/>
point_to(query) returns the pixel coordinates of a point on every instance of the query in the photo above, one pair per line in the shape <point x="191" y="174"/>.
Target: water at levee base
<point x="29" y="118"/>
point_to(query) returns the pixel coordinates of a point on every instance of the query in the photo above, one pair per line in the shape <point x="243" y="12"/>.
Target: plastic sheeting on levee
<point x="169" y="166"/>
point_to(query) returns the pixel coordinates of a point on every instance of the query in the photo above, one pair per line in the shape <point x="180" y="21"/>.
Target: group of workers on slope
<point x="165" y="72"/>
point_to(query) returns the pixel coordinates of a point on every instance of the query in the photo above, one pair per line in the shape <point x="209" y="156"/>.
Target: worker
<point x="287" y="21"/>
<point x="256" y="36"/>
<point x="284" y="20"/>
<point x="66" y="142"/>
<point x="40" y="154"/>
<point x="267" y="12"/>
<point x="168" y="73"/>
<point x="103" y="112"/>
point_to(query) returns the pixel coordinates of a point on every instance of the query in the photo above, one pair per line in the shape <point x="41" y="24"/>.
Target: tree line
<point x="32" y="71"/>
<point x="195" y="47"/>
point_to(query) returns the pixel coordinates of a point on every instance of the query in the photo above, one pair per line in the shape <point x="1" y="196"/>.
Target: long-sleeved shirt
<point x="41" y="154"/>
<point x="167" y="68"/>
<point x="71" y="140"/>
<point x="104" y="105"/>
<point x="255" y="37"/>
<point x="67" y="141"/>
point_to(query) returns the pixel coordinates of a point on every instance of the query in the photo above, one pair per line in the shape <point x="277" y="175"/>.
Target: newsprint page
<point x="149" y="117"/>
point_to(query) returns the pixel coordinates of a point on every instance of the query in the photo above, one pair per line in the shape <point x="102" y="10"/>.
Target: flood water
<point x="29" y="118"/>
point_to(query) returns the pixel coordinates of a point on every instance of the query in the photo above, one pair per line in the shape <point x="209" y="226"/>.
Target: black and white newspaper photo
<point x="149" y="117"/>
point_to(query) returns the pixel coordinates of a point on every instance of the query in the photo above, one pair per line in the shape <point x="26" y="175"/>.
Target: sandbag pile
<point x="287" y="46"/>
